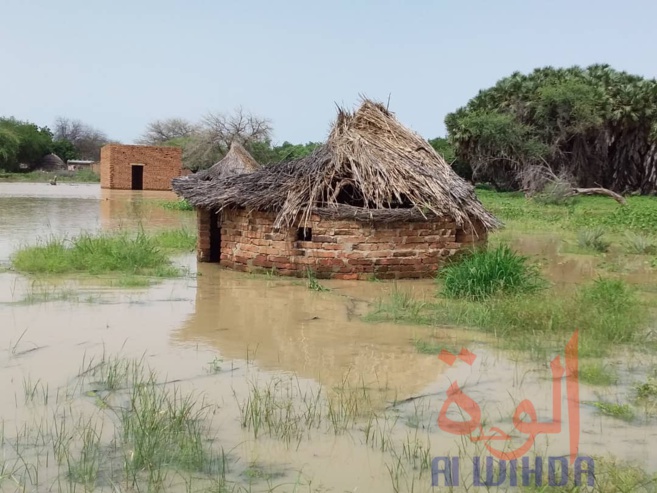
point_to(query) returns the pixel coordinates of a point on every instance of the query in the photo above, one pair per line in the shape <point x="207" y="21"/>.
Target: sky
<point x="118" y="65"/>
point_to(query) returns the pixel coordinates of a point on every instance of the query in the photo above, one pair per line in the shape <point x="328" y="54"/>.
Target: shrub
<point x="556" y="193"/>
<point x="640" y="244"/>
<point x="593" y="239"/>
<point x="490" y="272"/>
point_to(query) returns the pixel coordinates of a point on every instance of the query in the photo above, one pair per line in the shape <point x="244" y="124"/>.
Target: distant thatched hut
<point x="52" y="162"/>
<point x="236" y="161"/>
<point x="375" y="199"/>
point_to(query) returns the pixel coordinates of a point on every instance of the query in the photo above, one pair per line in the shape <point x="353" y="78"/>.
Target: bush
<point x="592" y="239"/>
<point x="491" y="272"/>
<point x="556" y="193"/>
<point x="641" y="245"/>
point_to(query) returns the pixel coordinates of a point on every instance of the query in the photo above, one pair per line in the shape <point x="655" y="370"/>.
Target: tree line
<point x="205" y="142"/>
<point x="588" y="127"/>
<point x="23" y="145"/>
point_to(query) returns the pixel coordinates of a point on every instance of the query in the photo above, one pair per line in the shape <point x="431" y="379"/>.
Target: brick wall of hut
<point x="161" y="165"/>
<point x="338" y="249"/>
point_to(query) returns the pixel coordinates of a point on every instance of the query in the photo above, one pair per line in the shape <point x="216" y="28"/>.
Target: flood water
<point x="220" y="334"/>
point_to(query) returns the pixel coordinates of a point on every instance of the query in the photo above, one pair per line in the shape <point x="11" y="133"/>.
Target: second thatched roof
<point x="371" y="168"/>
<point x="236" y="161"/>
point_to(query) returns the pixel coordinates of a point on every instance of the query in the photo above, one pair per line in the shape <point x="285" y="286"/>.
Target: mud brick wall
<point x="161" y="165"/>
<point x="339" y="249"/>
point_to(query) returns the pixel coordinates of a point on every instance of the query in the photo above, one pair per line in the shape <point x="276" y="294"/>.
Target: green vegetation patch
<point x="491" y="272"/>
<point x="639" y="215"/>
<point x="136" y="254"/>
<point x="176" y="205"/>
<point x="606" y="312"/>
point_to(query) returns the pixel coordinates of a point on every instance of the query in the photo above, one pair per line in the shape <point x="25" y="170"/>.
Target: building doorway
<point x="137" y="177"/>
<point x="215" y="237"/>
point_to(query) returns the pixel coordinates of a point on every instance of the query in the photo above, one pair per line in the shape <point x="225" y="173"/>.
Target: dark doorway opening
<point x="215" y="237"/>
<point x="137" y="177"/>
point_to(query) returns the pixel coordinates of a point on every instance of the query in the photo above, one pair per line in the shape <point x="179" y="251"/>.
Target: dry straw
<point x="371" y="168"/>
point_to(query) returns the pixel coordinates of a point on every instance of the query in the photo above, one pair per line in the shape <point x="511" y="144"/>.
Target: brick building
<point x="134" y="167"/>
<point x="374" y="200"/>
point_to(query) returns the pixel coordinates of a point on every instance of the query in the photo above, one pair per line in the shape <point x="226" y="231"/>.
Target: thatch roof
<point x="371" y="168"/>
<point x="236" y="161"/>
<point x="52" y="161"/>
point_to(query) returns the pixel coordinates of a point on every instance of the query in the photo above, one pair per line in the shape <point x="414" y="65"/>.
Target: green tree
<point x="9" y="144"/>
<point x="33" y="143"/>
<point x="65" y="149"/>
<point x="445" y="148"/>
<point x="595" y="124"/>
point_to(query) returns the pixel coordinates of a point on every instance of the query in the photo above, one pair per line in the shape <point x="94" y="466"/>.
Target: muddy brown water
<point x="218" y="333"/>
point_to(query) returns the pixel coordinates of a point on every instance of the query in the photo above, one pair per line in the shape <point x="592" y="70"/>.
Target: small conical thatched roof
<point x="371" y="168"/>
<point x="52" y="161"/>
<point x="236" y="161"/>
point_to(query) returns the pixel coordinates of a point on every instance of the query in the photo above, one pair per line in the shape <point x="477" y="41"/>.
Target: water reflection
<point x="33" y="211"/>
<point x="281" y="325"/>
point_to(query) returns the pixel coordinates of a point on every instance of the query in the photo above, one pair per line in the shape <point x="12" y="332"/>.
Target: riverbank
<point x="79" y="176"/>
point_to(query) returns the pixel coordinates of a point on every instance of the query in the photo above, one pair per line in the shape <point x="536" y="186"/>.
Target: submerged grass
<point x="606" y="312"/>
<point x="137" y="254"/>
<point x="486" y="273"/>
<point x="176" y="205"/>
<point x="597" y="373"/>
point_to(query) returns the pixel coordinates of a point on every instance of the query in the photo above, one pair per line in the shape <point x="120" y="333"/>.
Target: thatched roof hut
<point x="235" y="162"/>
<point x="52" y="162"/>
<point x="371" y="168"/>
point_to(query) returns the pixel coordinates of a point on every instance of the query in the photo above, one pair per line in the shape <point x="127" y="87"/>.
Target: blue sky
<point x="119" y="64"/>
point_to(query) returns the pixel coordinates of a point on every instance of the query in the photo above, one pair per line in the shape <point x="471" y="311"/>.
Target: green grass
<point x="640" y="244"/>
<point x="639" y="215"/>
<point x="313" y="283"/>
<point x="486" y="273"/>
<point x="80" y="176"/>
<point x="647" y="389"/>
<point x="624" y="412"/>
<point x="597" y="373"/>
<point x="132" y="255"/>
<point x="176" y="205"/>
<point x="606" y="312"/>
<point x="593" y="239"/>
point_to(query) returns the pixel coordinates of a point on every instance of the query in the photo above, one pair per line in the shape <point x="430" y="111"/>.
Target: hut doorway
<point x="215" y="237"/>
<point x="137" y="177"/>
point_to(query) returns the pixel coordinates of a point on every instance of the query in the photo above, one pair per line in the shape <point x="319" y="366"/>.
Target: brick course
<point x="161" y="165"/>
<point x="339" y="249"/>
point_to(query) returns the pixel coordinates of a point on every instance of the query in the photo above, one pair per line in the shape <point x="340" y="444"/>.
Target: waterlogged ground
<point x="221" y="381"/>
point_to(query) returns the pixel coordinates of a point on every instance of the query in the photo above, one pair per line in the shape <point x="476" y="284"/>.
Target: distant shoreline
<point x="63" y="176"/>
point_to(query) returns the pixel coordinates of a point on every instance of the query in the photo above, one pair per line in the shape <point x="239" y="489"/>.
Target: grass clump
<point x="313" y="283"/>
<point x="178" y="240"/>
<point x="640" y="244"/>
<point x="486" y="273"/>
<point x="596" y="373"/>
<point x="556" y="193"/>
<point x="139" y="254"/>
<point x="624" y="412"/>
<point x="176" y="205"/>
<point x="593" y="239"/>
<point x="647" y="390"/>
